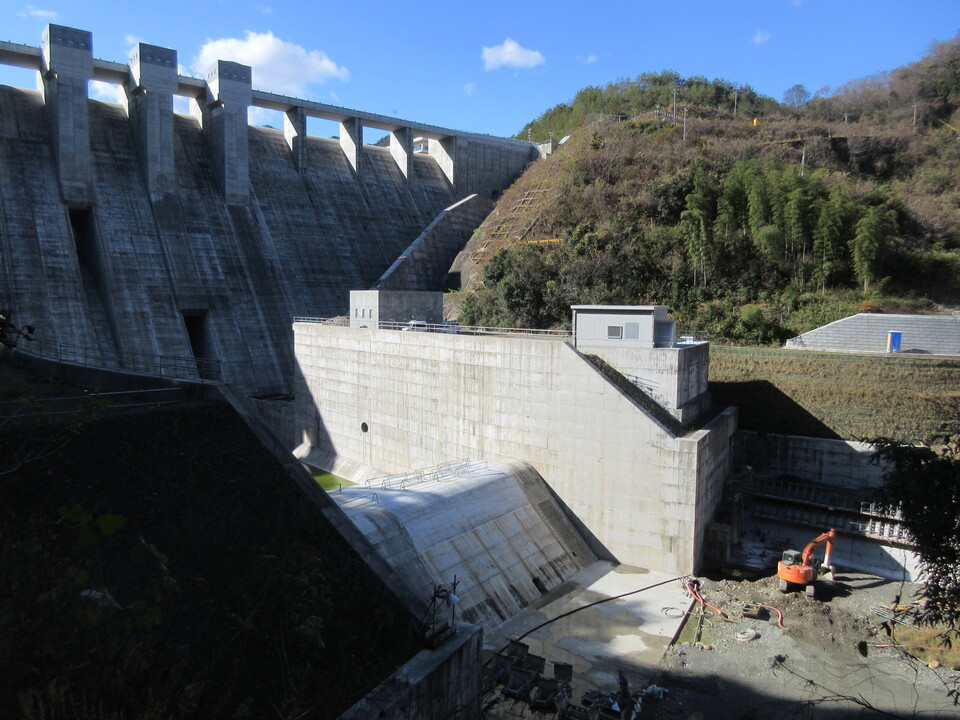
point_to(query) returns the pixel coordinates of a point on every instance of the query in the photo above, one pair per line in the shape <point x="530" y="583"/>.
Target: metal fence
<point x="167" y="366"/>
<point x="445" y="328"/>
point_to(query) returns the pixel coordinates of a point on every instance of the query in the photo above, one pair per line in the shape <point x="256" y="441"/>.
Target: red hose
<point x="693" y="587"/>
<point x="779" y="615"/>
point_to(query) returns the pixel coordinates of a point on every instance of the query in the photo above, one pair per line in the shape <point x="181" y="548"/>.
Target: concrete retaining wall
<point x="441" y="684"/>
<point x="833" y="462"/>
<point x="674" y="377"/>
<point x="424" y="265"/>
<point x="393" y="401"/>
<point x="867" y="333"/>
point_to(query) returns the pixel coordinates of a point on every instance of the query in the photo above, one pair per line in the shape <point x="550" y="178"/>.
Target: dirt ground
<point x="812" y="669"/>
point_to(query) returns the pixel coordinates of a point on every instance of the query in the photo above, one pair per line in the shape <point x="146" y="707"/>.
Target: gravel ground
<point x="813" y="668"/>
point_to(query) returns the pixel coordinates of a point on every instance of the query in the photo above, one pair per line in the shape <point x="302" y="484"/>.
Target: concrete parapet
<point x="153" y="82"/>
<point x="440" y="684"/>
<point x="67" y="65"/>
<point x="675" y="377"/>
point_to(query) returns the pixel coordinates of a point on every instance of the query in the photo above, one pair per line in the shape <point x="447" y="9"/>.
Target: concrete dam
<point x="136" y="237"/>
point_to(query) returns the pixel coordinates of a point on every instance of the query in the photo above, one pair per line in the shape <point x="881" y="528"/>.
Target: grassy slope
<point x="796" y="392"/>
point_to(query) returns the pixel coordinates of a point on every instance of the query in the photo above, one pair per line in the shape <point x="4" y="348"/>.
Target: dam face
<point x="129" y="232"/>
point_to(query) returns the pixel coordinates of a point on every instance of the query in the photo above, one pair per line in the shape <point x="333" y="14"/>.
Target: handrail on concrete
<point x="167" y="366"/>
<point x="448" y="470"/>
<point x="444" y="328"/>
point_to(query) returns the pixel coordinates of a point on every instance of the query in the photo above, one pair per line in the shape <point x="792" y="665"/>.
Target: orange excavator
<point x="801" y="568"/>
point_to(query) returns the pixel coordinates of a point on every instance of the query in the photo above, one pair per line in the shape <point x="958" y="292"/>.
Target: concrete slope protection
<point x="496" y="528"/>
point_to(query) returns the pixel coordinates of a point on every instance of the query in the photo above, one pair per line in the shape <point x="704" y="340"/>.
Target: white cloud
<point x="105" y="91"/>
<point x="278" y="66"/>
<point x="469" y="88"/>
<point x="334" y="97"/>
<point x="510" y="54"/>
<point x="587" y="59"/>
<point x="760" y="37"/>
<point x="265" y="9"/>
<point x="31" y="11"/>
<point x="130" y="40"/>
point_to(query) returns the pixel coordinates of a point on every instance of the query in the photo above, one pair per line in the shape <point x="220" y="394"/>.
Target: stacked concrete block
<point x="397" y="401"/>
<point x="67" y="66"/>
<point x="153" y="83"/>
<point x="868" y="333"/>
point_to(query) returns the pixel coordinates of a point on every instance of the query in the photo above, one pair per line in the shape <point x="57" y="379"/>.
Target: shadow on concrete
<point x="765" y="408"/>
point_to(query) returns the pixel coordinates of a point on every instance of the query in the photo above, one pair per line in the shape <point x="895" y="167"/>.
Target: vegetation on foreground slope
<point x="164" y="565"/>
<point x="752" y="227"/>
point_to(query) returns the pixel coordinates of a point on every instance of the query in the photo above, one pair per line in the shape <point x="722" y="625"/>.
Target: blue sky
<point x="492" y="66"/>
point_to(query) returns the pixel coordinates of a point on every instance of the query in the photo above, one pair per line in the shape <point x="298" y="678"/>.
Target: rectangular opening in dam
<point x="198" y="333"/>
<point x="18" y="77"/>
<point x="85" y="238"/>
<point x="322" y="128"/>
<point x="265" y="117"/>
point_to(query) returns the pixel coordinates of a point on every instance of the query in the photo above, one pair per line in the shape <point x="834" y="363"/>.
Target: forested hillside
<point x="752" y="226"/>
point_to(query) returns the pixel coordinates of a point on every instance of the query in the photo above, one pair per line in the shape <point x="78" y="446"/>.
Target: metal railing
<point x="444" y="471"/>
<point x="446" y="328"/>
<point x="51" y="406"/>
<point x="167" y="366"/>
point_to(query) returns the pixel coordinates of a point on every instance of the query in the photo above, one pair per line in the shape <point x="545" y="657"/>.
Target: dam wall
<point x="128" y="228"/>
<point x="383" y="402"/>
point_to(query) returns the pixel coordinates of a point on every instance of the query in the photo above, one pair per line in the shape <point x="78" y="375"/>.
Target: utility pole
<point x="675" y="90"/>
<point x="684" y="123"/>
<point x="914" y="114"/>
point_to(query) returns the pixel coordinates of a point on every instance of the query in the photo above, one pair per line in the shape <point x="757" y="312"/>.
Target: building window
<point x="614" y="332"/>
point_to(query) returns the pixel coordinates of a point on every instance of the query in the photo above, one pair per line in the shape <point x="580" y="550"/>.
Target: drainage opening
<point x="201" y="345"/>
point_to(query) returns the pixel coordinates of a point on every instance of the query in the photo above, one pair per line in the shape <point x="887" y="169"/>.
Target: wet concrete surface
<point x="628" y="634"/>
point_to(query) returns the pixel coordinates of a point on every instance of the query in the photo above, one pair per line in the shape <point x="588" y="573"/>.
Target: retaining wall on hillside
<point x="424" y="265"/>
<point x="867" y="333"/>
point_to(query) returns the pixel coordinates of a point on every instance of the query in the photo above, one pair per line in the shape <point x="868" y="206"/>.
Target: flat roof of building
<point x="617" y="308"/>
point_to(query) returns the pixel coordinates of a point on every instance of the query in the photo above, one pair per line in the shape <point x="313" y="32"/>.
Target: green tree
<point x="874" y="231"/>
<point x="697" y="221"/>
<point x="923" y="484"/>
